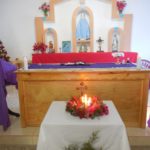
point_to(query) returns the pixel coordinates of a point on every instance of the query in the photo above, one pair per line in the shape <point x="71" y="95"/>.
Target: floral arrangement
<point x="84" y="107"/>
<point x="45" y="8"/>
<point x="40" y="47"/>
<point x="121" y="5"/>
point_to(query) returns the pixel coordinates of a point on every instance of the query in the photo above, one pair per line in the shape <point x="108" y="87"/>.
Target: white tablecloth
<point x="59" y="129"/>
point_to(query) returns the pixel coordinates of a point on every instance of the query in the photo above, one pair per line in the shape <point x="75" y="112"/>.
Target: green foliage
<point x="72" y="147"/>
<point x="88" y="145"/>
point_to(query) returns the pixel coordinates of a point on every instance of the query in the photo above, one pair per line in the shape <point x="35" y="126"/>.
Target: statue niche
<point x="82" y="29"/>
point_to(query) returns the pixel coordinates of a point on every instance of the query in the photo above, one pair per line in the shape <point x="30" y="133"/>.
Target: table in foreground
<point x="59" y="129"/>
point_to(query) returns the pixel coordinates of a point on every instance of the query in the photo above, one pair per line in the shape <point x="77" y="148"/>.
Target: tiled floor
<point x="29" y="136"/>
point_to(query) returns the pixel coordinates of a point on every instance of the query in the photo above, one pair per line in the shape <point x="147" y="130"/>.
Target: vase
<point x="45" y="13"/>
<point x="121" y="13"/>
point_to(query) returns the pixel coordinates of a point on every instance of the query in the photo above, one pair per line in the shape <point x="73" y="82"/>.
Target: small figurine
<point x="115" y="43"/>
<point x="51" y="47"/>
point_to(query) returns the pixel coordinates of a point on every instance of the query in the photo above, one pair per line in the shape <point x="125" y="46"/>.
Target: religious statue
<point x="99" y="41"/>
<point x="83" y="29"/>
<point x="115" y="43"/>
<point x="51" y="47"/>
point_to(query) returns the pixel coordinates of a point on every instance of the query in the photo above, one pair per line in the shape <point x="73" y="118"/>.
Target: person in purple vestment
<point x="4" y="118"/>
<point x="7" y="77"/>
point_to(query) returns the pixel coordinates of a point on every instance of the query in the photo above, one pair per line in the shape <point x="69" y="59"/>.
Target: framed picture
<point x="66" y="46"/>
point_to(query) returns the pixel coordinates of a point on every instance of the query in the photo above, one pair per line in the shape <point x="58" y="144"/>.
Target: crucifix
<point x="99" y="41"/>
<point x="82" y="88"/>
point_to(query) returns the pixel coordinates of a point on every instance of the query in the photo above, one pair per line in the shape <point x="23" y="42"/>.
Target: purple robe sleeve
<point x="9" y="75"/>
<point x="4" y="118"/>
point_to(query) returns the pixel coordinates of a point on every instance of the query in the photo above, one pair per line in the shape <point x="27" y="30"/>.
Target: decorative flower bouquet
<point x="121" y="5"/>
<point x="91" y="108"/>
<point x="40" y="47"/>
<point x="45" y="8"/>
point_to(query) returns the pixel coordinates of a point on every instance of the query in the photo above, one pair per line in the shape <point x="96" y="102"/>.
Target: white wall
<point x="17" y="29"/>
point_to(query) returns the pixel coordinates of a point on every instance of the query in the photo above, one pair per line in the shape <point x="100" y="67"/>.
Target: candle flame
<point x="86" y="100"/>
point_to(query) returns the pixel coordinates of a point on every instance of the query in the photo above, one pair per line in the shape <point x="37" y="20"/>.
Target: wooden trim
<point x="144" y="103"/>
<point x="115" y="13"/>
<point x="127" y="32"/>
<point x="39" y="28"/>
<point x="51" y="16"/>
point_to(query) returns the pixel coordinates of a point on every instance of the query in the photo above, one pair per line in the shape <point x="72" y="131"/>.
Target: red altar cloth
<point x="90" y="57"/>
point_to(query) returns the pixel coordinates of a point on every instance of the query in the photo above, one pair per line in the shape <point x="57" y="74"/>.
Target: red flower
<point x="121" y="5"/>
<point x="77" y="108"/>
<point x="40" y="47"/>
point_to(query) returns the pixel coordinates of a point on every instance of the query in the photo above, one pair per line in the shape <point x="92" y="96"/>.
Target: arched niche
<point x="119" y="33"/>
<point x="50" y="35"/>
<point x="89" y="14"/>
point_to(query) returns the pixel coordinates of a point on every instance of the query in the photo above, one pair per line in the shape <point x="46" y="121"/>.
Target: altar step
<point x="33" y="147"/>
<point x="17" y="138"/>
<point x="139" y="136"/>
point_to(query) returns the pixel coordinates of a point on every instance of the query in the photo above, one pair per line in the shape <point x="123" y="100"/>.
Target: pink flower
<point x="45" y="8"/>
<point x="121" y="5"/>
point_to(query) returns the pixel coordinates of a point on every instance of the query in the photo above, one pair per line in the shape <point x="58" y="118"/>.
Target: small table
<point x="59" y="129"/>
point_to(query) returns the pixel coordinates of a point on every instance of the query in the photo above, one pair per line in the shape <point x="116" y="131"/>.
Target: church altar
<point x="59" y="129"/>
<point x="126" y="87"/>
<point x="90" y="57"/>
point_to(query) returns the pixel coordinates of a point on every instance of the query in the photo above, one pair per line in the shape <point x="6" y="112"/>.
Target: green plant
<point x="88" y="145"/>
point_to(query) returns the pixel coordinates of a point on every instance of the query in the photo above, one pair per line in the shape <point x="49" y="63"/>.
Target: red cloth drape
<point x="90" y="57"/>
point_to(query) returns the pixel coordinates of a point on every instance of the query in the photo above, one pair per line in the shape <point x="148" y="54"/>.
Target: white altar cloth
<point x="59" y="129"/>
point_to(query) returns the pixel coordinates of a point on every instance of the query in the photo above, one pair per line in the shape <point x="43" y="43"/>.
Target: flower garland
<point x="76" y="107"/>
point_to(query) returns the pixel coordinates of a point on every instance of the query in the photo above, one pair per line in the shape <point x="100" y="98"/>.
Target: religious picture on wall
<point x="66" y="46"/>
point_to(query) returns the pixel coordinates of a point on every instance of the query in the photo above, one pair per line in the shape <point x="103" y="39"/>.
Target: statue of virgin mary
<point x="82" y="29"/>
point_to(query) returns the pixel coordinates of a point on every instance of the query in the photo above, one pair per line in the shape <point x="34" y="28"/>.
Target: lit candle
<point x="86" y="100"/>
<point x="89" y="101"/>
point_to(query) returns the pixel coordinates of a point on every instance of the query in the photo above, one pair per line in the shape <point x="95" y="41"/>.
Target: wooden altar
<point x="127" y="88"/>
